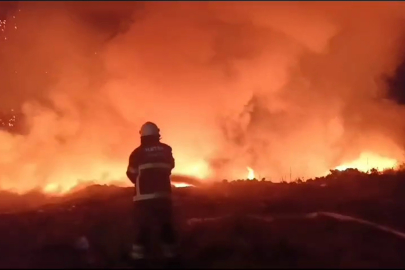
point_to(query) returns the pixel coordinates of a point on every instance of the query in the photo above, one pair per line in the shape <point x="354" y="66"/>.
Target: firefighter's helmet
<point x="149" y="129"/>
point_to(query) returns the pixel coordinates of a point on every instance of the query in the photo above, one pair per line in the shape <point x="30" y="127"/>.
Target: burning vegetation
<point x="290" y="90"/>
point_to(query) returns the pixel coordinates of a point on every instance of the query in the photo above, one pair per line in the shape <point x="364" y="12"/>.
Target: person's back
<point x="149" y="169"/>
<point x="152" y="163"/>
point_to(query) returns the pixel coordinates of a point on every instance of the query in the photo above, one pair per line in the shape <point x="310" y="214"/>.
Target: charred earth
<point x="240" y="224"/>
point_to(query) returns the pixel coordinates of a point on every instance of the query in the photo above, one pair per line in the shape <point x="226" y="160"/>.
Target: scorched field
<point x="240" y="224"/>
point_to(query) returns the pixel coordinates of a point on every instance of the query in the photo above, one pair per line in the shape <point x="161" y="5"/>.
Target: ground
<point x="242" y="224"/>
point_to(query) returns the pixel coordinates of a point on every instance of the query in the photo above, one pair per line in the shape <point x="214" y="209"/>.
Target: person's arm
<point x="132" y="170"/>
<point x="171" y="158"/>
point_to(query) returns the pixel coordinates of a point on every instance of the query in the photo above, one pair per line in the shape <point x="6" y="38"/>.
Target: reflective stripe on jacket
<point x="149" y="169"/>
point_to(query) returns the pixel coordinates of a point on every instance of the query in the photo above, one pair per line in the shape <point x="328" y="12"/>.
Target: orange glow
<point x="198" y="169"/>
<point x="289" y="89"/>
<point x="181" y="185"/>
<point x="251" y="173"/>
<point x="368" y="161"/>
<point x="62" y="189"/>
<point x="54" y="188"/>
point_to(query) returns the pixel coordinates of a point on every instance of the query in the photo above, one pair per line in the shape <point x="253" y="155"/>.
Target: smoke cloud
<point x="278" y="87"/>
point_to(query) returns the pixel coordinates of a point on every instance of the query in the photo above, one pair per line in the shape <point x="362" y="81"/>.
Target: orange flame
<point x="368" y="161"/>
<point x="251" y="173"/>
<point x="181" y="185"/>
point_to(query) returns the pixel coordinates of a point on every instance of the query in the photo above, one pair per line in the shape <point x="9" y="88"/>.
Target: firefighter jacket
<point x="150" y="168"/>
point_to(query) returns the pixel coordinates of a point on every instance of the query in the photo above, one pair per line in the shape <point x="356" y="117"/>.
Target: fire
<point x="251" y="173"/>
<point x="198" y="169"/>
<point x="368" y="161"/>
<point x="55" y="188"/>
<point x="181" y="185"/>
<point x="63" y="189"/>
<point x="257" y="101"/>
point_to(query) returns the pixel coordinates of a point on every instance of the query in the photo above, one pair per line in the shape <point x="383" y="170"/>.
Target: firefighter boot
<point x="137" y="255"/>
<point x="171" y="256"/>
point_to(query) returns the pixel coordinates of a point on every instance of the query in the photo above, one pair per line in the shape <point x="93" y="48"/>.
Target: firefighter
<point x="149" y="168"/>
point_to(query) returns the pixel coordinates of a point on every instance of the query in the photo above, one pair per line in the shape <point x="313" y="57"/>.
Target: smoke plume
<point x="279" y="87"/>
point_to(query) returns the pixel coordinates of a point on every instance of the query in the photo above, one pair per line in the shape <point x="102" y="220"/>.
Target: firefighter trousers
<point x="150" y="214"/>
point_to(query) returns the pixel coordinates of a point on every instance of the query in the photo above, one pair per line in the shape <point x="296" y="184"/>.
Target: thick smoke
<point x="278" y="87"/>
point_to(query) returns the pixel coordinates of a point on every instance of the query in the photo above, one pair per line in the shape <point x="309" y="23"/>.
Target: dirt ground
<point x="237" y="231"/>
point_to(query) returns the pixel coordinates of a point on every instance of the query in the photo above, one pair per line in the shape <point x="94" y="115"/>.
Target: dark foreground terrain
<point x="242" y="224"/>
